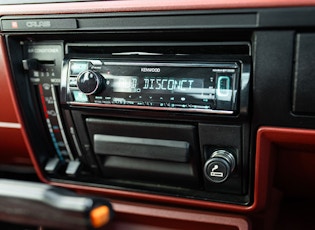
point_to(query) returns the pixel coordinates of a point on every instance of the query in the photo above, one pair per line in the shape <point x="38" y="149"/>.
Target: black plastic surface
<point x="164" y="21"/>
<point x="304" y="74"/>
<point x="154" y="152"/>
<point x="151" y="171"/>
<point x="272" y="77"/>
<point x="147" y="148"/>
<point x="224" y="137"/>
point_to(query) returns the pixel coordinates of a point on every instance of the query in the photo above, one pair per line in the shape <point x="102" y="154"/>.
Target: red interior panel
<point x="12" y="145"/>
<point x="173" y="218"/>
<point x="292" y="159"/>
<point x="7" y="102"/>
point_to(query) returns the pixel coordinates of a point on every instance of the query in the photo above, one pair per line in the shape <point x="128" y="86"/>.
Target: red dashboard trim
<point x="278" y="150"/>
<point x="181" y="218"/>
<point x="6" y="94"/>
<point x="145" y="5"/>
<point x="12" y="146"/>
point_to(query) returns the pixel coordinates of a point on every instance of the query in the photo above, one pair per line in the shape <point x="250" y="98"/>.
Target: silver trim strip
<point x="10" y="125"/>
<point x="171" y="64"/>
<point x="152" y="108"/>
<point x="76" y="143"/>
<point x="60" y="123"/>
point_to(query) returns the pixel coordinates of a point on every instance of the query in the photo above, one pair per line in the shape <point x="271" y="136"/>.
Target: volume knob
<point x="90" y="82"/>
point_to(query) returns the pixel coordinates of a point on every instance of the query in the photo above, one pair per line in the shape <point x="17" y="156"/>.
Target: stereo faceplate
<point x="208" y="87"/>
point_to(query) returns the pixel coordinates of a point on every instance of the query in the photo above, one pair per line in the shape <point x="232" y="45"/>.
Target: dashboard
<point x="182" y="114"/>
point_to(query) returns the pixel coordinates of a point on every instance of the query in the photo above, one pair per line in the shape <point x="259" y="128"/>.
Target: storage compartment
<point x="289" y="182"/>
<point x="145" y="151"/>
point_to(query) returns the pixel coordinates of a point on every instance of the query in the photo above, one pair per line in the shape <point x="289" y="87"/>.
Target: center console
<point x="148" y="110"/>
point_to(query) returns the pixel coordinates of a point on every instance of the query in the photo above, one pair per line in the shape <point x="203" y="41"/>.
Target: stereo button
<point x="72" y="82"/>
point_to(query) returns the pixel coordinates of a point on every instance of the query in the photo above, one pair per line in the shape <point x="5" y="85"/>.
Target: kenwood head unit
<point x="180" y="85"/>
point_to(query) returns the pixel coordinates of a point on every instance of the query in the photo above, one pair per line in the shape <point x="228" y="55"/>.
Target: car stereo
<point x="183" y="86"/>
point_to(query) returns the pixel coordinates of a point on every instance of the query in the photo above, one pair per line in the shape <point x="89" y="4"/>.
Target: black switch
<point x="31" y="64"/>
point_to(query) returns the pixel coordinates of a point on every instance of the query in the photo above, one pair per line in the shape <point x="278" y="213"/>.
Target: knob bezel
<point x="98" y="79"/>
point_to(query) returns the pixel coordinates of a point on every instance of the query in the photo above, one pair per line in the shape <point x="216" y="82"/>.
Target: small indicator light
<point x="14" y="25"/>
<point x="100" y="216"/>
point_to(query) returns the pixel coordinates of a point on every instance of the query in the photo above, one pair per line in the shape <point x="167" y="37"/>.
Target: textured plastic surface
<point x="304" y="74"/>
<point x="146" y="148"/>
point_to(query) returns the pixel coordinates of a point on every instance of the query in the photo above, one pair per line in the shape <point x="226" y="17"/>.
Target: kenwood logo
<point x="150" y="70"/>
<point x="38" y="24"/>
